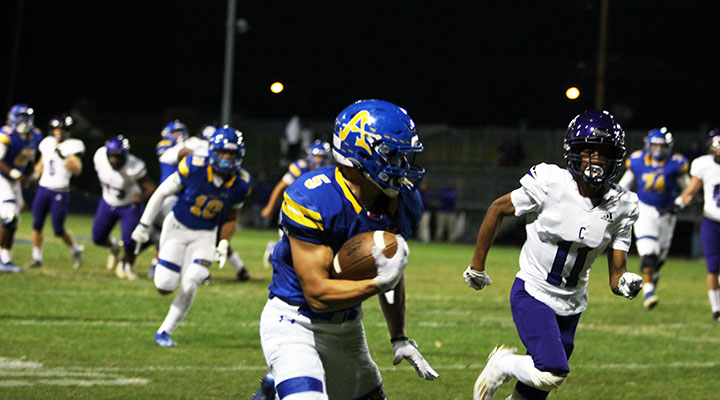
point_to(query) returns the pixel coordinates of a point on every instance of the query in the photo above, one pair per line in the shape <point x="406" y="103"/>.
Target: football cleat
<point x="120" y="270"/>
<point x="243" y="275"/>
<point x="650" y="301"/>
<point x="35" y="264"/>
<point x="267" y="256"/>
<point x="208" y="281"/>
<point x="115" y="246"/>
<point x="266" y="391"/>
<point x="162" y="339"/>
<point x="129" y="270"/>
<point x="716" y="316"/>
<point x="77" y="257"/>
<point x="151" y="273"/>
<point x="10" y="268"/>
<point x="491" y="378"/>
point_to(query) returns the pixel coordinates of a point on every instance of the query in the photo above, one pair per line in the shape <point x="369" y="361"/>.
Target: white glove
<point x="630" y="285"/>
<point x="407" y="350"/>
<point x="390" y="270"/>
<point x="476" y="279"/>
<point x="221" y="252"/>
<point x="140" y="235"/>
<point x="679" y="203"/>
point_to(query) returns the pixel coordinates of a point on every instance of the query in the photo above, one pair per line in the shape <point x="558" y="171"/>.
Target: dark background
<point x="494" y="62"/>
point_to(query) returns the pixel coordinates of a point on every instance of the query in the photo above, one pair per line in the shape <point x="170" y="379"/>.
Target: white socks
<point x="648" y="287"/>
<point x="236" y="262"/>
<point x="178" y="309"/>
<point x="714" y="296"/>
<point x="37" y="253"/>
<point x="518" y="367"/>
<point x="5" y="256"/>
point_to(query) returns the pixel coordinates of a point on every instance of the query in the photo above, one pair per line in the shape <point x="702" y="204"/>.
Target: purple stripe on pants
<point x="57" y="203"/>
<point x="710" y="238"/>
<point x="106" y="217"/>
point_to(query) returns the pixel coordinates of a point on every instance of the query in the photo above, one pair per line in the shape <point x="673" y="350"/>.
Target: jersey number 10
<point x="206" y="209"/>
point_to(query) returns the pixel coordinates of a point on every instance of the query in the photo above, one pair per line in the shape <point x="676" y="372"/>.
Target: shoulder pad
<point x="636" y="154"/>
<point x="244" y="175"/>
<point x="72" y="146"/>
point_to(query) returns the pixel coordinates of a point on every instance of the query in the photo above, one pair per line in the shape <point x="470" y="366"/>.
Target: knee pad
<point x="195" y="275"/>
<point x="651" y="260"/>
<point x="546" y="381"/>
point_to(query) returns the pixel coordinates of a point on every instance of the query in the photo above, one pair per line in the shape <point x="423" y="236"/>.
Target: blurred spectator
<point x="424" y="229"/>
<point x="292" y="138"/>
<point x="446" y="215"/>
<point x="510" y="153"/>
<point x="260" y="197"/>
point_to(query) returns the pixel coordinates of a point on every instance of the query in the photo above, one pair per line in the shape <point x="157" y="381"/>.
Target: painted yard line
<point x="74" y="382"/>
<point x="12" y="367"/>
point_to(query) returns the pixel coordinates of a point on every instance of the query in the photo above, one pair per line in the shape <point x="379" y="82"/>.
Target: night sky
<point x="496" y="62"/>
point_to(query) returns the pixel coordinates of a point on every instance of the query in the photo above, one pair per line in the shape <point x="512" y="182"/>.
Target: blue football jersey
<point x="19" y="151"/>
<point x="320" y="208"/>
<point x="201" y="204"/>
<point x="657" y="184"/>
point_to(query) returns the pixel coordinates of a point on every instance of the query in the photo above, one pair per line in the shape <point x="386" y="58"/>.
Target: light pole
<point x="229" y="55"/>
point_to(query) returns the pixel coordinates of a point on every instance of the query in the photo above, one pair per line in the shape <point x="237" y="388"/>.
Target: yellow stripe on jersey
<point x="163" y="143"/>
<point x="244" y="176"/>
<point x="183" y="168"/>
<point x="301" y="215"/>
<point x="230" y="182"/>
<point x="209" y="173"/>
<point x="4" y="139"/>
<point x="346" y="190"/>
<point x="294" y="170"/>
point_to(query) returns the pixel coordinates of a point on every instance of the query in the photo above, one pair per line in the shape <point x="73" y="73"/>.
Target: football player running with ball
<point x="311" y="330"/>
<point x="572" y="216"/>
<point x="209" y="192"/>
<point x="659" y="176"/>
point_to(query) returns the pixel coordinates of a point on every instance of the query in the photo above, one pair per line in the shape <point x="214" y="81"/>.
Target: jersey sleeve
<point x="533" y="189"/>
<point x="301" y="217"/>
<point x="294" y="171"/>
<point x="44" y="146"/>
<point x="622" y="236"/>
<point x="71" y="147"/>
<point x="697" y="168"/>
<point x="187" y="165"/>
<point x="136" y="170"/>
<point x="163" y="145"/>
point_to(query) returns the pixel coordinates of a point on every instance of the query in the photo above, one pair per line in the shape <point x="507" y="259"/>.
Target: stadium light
<point x="277" y="87"/>
<point x="572" y="93"/>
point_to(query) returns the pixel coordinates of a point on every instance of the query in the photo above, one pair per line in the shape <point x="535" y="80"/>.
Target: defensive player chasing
<point x="705" y="173"/>
<point x="317" y="156"/>
<point x="18" y="143"/>
<point x="59" y="161"/>
<point x="209" y="190"/>
<point x="125" y="187"/>
<point x="659" y="176"/>
<point x="311" y="330"/>
<point x="572" y="216"/>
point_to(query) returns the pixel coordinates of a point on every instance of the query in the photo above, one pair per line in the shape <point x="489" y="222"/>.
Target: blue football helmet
<point x="174" y="130"/>
<point x="21" y="118"/>
<point x="226" y="140"/>
<point x="379" y="139"/>
<point x="119" y="147"/>
<point x="595" y="130"/>
<point x="662" y="137"/>
<point x="63" y="122"/>
<point x="319" y="149"/>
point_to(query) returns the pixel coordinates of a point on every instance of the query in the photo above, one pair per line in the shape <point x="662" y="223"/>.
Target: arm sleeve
<point x="533" y="189"/>
<point x="170" y="186"/>
<point x="623" y="235"/>
<point x="627" y="179"/>
<point x="170" y="155"/>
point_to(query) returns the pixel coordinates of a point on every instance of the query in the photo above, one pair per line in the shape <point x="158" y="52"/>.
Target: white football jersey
<point x="705" y="168"/>
<point x="198" y="145"/>
<point x="120" y="187"/>
<point x="55" y="175"/>
<point x="565" y="234"/>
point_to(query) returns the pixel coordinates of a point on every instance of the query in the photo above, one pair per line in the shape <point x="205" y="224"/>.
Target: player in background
<point x="60" y="159"/>
<point x="658" y="176"/>
<point x="209" y="191"/>
<point x="705" y="173"/>
<point x="572" y="216"/>
<point x="125" y="187"/>
<point x="318" y="155"/>
<point x="19" y="141"/>
<point x="310" y="329"/>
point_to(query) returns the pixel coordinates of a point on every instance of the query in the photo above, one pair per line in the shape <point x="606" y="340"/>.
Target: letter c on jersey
<point x="580" y="234"/>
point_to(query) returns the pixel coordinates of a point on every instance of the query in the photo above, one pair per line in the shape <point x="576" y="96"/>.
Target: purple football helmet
<point x="595" y="130"/>
<point x="714" y="144"/>
<point x="118" y="148"/>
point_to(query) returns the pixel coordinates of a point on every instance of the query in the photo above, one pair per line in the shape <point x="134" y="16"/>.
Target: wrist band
<point x="398" y="338"/>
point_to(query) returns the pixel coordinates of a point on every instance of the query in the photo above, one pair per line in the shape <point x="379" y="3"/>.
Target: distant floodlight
<point x="572" y="93"/>
<point x="277" y="87"/>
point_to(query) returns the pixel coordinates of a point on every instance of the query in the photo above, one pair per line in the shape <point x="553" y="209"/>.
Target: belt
<point x="335" y="317"/>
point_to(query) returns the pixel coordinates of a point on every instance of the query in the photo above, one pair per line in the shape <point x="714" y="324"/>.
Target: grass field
<point x="85" y="334"/>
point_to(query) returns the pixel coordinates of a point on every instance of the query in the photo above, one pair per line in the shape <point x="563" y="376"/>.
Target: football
<point x="354" y="261"/>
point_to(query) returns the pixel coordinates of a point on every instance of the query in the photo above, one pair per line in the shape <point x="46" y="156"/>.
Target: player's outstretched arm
<point x="312" y="263"/>
<point x="622" y="283"/>
<point x="170" y="186"/>
<point x="277" y="191"/>
<point x="475" y="274"/>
